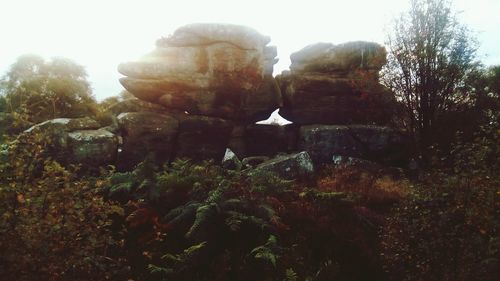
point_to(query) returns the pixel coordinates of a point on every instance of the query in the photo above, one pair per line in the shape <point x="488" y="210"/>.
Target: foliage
<point x="370" y="184"/>
<point x="450" y="229"/>
<point x="430" y="56"/>
<point x="36" y="90"/>
<point x="54" y="226"/>
<point x="3" y="103"/>
<point x="189" y="221"/>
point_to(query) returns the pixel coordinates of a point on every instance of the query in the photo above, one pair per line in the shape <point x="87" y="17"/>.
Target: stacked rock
<point x="333" y="93"/>
<point x="336" y="84"/>
<point x="216" y="70"/>
<point x="202" y="81"/>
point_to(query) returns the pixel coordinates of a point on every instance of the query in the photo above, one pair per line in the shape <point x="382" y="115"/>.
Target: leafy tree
<point x="430" y="56"/>
<point x="36" y="90"/>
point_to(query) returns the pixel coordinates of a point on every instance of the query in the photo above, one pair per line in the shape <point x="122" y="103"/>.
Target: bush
<point x="367" y="183"/>
<point x="54" y="225"/>
<point x="449" y="230"/>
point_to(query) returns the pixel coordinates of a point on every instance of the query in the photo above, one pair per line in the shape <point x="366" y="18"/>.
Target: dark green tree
<point x="430" y="55"/>
<point x="36" y="90"/>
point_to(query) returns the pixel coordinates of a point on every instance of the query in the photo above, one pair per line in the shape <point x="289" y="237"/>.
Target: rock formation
<point x="216" y="70"/>
<point x="203" y="88"/>
<point x="336" y="84"/>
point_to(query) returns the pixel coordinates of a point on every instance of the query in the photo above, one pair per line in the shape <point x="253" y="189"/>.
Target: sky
<point x="99" y="34"/>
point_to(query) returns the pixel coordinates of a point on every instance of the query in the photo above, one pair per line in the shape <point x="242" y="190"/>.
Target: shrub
<point x="368" y="184"/>
<point x="54" y="225"/>
<point x="449" y="230"/>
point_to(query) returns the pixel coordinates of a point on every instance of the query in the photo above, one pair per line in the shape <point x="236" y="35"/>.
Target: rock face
<point x="93" y="147"/>
<point x="216" y="70"/>
<point x="329" y="58"/>
<point x="336" y="84"/>
<point x="146" y="133"/>
<point x="202" y="137"/>
<point x="324" y="143"/>
<point x="135" y="105"/>
<point x="263" y="140"/>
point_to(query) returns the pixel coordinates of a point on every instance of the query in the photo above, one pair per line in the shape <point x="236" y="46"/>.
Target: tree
<point x="3" y="104"/>
<point x="36" y="90"/>
<point x="429" y="58"/>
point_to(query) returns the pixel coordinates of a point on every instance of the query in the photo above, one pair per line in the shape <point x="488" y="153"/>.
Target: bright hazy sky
<point x="100" y="34"/>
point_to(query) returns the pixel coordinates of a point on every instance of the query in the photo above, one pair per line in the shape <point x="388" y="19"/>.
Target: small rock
<point x="231" y="161"/>
<point x="292" y="166"/>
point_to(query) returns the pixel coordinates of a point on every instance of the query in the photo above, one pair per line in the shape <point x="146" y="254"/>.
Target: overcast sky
<point x="100" y="34"/>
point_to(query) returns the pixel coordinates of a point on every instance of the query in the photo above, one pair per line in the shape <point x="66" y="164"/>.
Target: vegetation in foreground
<point x="197" y="221"/>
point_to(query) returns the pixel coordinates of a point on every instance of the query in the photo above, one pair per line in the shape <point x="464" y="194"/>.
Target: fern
<point x="290" y="275"/>
<point x="181" y="214"/>
<point x="159" y="270"/>
<point x="266" y="251"/>
<point x="204" y="216"/>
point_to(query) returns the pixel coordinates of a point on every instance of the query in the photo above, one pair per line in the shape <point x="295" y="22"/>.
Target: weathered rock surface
<point x="268" y="140"/>
<point x="324" y="142"/>
<point x="66" y="124"/>
<point x="202" y="137"/>
<point x="79" y="141"/>
<point x="146" y="133"/>
<point x="253" y="161"/>
<point x="293" y="166"/>
<point x="217" y="70"/>
<point x="328" y="58"/>
<point x="339" y="84"/>
<point x="135" y="105"/>
<point x="263" y="139"/>
<point x="93" y="147"/>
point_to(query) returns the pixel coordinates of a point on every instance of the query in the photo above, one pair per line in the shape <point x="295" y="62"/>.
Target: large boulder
<point x="337" y="84"/>
<point x="146" y="134"/>
<point x="216" y="70"/>
<point x="293" y="166"/>
<point x="78" y="141"/>
<point x="203" y="138"/>
<point x="326" y="142"/>
<point x="92" y="148"/>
